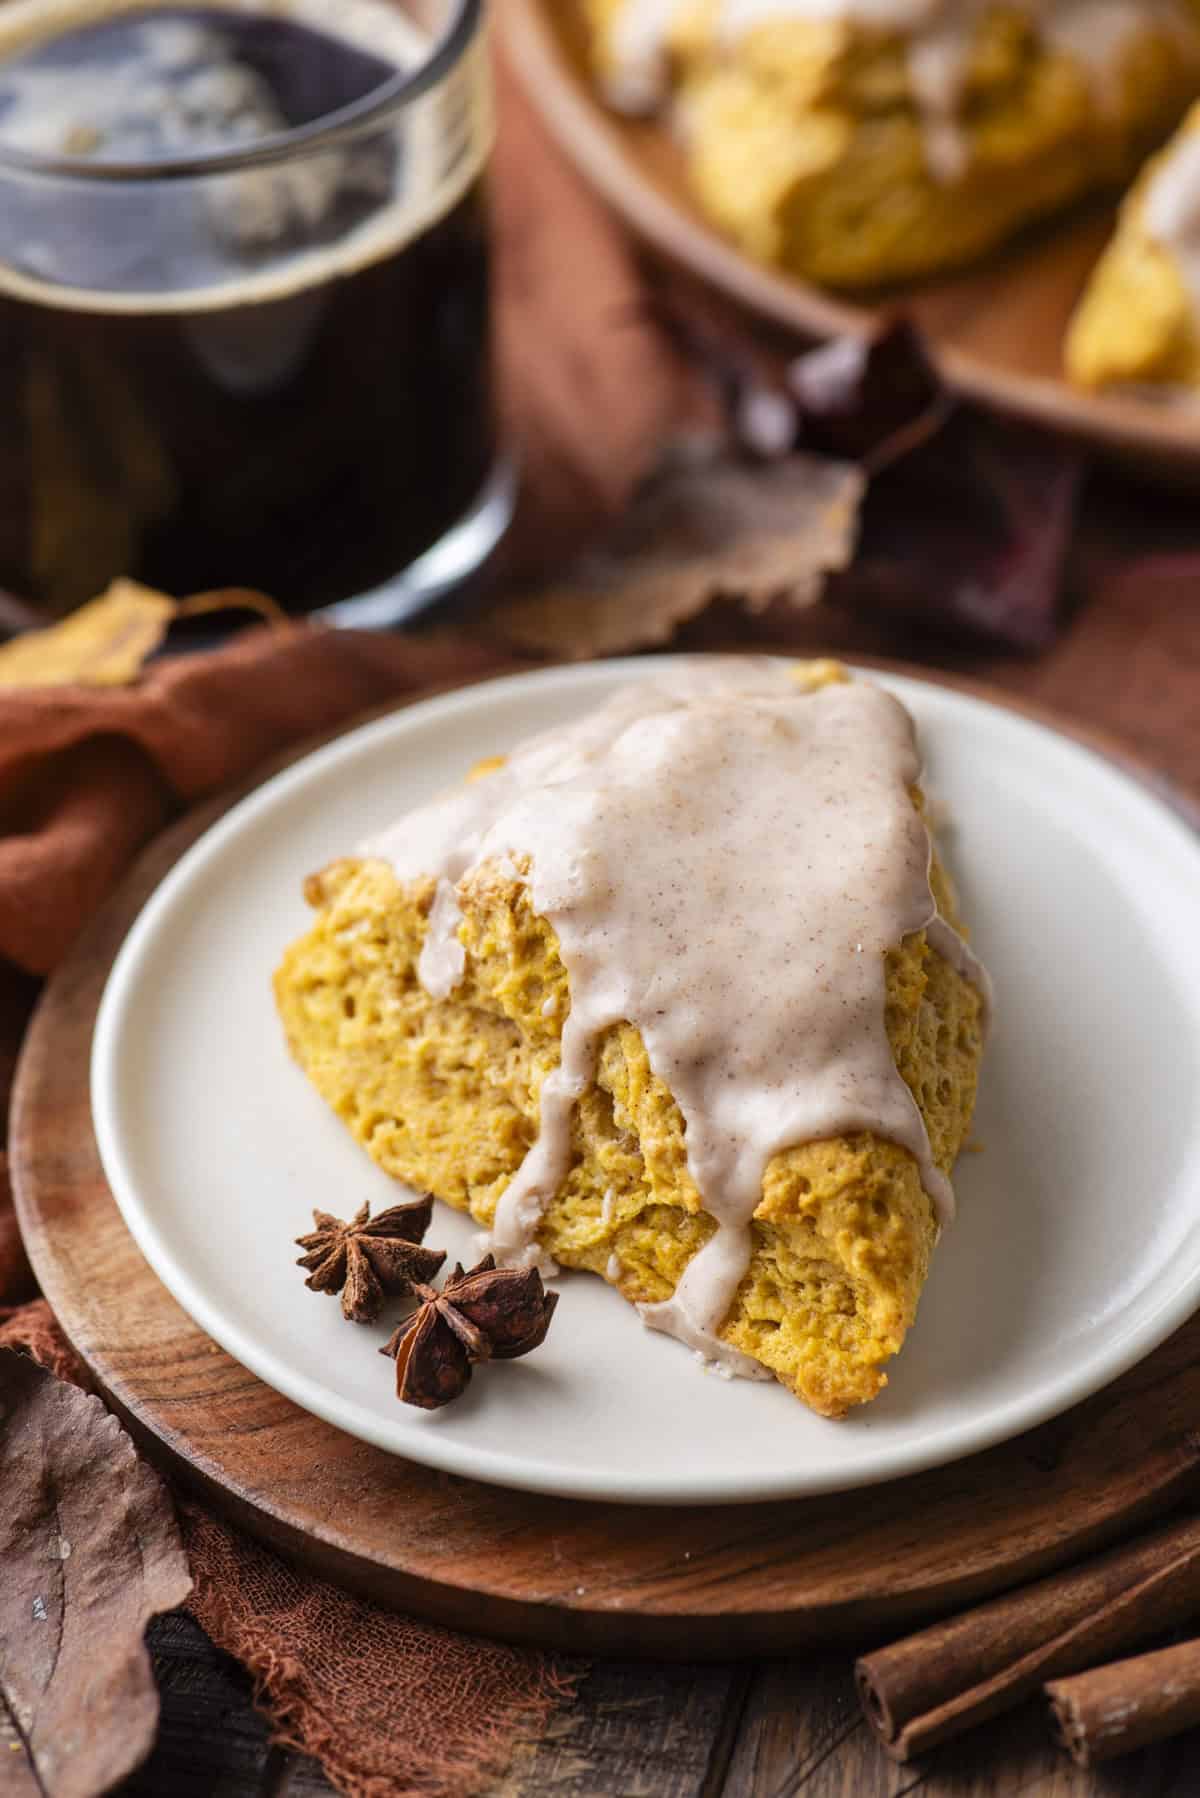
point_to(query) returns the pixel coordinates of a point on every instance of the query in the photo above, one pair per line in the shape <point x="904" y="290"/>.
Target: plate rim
<point x="591" y="137"/>
<point x="1011" y="1419"/>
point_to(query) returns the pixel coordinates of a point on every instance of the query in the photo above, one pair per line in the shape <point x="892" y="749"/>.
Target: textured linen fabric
<point x="89" y="774"/>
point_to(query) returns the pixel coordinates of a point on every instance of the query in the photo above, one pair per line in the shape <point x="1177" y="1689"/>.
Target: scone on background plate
<point x="438" y="1038"/>
<point x="1138" y="322"/>
<point x="857" y="146"/>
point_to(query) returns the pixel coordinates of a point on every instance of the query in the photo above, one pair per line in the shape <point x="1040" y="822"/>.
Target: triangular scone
<point x="443" y="1093"/>
<point x="856" y="148"/>
<point x="1139" y="320"/>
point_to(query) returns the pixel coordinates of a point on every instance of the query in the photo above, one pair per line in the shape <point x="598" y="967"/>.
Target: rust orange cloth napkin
<point x="87" y="775"/>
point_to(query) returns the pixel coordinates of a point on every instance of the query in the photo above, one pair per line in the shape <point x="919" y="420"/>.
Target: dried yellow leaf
<point x="107" y="642"/>
<point x="103" y="644"/>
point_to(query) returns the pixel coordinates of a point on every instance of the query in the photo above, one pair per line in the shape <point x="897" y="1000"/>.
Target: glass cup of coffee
<point x="244" y="333"/>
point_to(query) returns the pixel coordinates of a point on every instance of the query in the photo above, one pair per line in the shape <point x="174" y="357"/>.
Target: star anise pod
<point x="370" y="1256"/>
<point x="489" y="1314"/>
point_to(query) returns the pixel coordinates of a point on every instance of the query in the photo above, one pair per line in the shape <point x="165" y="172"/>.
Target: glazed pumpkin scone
<point x="1138" y="322"/>
<point x="676" y="994"/>
<point x="861" y="142"/>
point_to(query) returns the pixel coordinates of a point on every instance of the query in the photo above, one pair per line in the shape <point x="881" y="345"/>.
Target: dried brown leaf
<point x="697" y="534"/>
<point x="90" y="1551"/>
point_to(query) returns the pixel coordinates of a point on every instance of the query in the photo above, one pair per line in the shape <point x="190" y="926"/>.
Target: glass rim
<point x="331" y="128"/>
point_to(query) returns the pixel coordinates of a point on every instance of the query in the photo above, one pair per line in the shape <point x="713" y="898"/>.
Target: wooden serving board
<point x="995" y="329"/>
<point x="705" y="1582"/>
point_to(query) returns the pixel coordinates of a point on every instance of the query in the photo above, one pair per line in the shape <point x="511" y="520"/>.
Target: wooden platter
<point x="996" y="330"/>
<point x="703" y="1582"/>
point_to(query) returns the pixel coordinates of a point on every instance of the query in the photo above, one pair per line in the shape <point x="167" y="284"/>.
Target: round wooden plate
<point x="996" y="330"/>
<point x="712" y="1582"/>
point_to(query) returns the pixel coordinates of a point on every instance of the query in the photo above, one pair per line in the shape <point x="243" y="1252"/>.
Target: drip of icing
<point x="443" y="960"/>
<point x="939" y="34"/>
<point x="1171" y="213"/>
<point x="725" y="861"/>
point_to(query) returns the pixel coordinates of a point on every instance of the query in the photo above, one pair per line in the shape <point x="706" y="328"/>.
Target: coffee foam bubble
<point x="441" y="140"/>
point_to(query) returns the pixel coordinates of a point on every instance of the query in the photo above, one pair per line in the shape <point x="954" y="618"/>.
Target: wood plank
<point x="297" y="1776"/>
<point x="211" y="1741"/>
<point x="705" y="1583"/>
<point x="641" y="1731"/>
<point x="652" y="1732"/>
<point x="802" y="1735"/>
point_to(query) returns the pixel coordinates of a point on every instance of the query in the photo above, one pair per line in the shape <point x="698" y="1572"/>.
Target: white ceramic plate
<point x="1077" y="1248"/>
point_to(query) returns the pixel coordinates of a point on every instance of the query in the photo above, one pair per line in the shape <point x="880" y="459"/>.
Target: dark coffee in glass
<point x="244" y="301"/>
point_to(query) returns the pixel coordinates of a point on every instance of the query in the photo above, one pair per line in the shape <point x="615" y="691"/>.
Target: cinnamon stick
<point x="1114" y="1709"/>
<point x="946" y="1679"/>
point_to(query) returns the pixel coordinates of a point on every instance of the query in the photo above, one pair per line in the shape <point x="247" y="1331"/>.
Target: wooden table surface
<point x="1129" y="663"/>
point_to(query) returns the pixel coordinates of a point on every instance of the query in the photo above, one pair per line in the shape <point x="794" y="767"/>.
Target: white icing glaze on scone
<point x="725" y="860"/>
